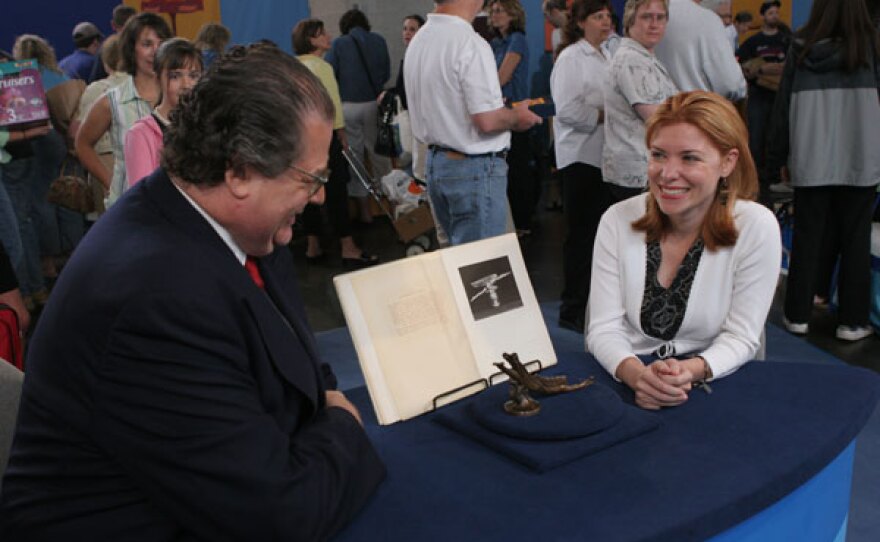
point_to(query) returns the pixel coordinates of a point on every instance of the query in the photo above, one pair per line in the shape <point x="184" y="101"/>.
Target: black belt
<point x="493" y="154"/>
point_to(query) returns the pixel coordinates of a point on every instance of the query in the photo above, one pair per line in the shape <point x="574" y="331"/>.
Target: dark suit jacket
<point x="166" y="398"/>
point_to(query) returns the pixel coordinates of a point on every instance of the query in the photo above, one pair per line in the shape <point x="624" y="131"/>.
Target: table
<point x="766" y="456"/>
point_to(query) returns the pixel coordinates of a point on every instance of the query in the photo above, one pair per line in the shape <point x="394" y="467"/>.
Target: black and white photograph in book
<point x="490" y="287"/>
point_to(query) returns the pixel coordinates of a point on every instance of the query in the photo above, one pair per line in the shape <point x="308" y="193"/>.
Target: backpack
<point x="10" y="337"/>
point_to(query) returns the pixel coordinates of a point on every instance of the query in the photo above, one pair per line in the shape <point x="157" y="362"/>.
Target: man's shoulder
<point x="458" y="39"/>
<point x="342" y="42"/>
<point x="376" y="39"/>
<point x="680" y="8"/>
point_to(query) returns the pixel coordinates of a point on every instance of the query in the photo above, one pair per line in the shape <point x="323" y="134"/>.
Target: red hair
<point x="719" y="121"/>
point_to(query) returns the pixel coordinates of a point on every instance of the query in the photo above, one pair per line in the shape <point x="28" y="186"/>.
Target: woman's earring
<point x="723" y="190"/>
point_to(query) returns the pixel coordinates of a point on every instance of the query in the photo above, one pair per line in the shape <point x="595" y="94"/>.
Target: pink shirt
<point x="143" y="143"/>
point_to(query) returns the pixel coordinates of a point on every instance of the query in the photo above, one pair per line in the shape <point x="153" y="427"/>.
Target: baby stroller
<point x="414" y="227"/>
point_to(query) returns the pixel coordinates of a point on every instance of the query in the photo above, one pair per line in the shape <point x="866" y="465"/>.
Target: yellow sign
<point x="754" y="7"/>
<point x="185" y="17"/>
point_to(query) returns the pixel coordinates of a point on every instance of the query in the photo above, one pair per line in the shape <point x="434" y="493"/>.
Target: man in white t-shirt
<point x="456" y="107"/>
<point x="696" y="51"/>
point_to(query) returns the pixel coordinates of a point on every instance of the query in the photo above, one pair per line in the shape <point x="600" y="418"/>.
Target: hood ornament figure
<point x="522" y="382"/>
<point x="488" y="286"/>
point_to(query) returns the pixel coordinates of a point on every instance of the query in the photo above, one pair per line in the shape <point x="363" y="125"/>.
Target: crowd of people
<point x="174" y="388"/>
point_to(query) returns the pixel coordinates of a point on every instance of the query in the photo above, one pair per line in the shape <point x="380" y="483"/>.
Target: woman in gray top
<point x="826" y="125"/>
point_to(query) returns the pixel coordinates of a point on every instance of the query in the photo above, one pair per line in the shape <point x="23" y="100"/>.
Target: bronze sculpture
<point x="522" y="382"/>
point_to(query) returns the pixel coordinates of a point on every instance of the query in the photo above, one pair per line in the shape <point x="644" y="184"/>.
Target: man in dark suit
<point x="173" y="389"/>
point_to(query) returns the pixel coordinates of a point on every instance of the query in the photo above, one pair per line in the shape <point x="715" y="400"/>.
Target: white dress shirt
<point x="576" y="83"/>
<point x="221" y="231"/>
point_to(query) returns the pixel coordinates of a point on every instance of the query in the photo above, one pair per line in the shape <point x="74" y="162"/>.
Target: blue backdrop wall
<point x="52" y="19"/>
<point x="248" y="20"/>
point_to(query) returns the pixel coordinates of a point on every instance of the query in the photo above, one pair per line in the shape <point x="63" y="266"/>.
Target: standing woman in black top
<point x="411" y="25"/>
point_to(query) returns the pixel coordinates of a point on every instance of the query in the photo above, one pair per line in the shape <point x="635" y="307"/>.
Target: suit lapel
<point x="297" y="323"/>
<point x="289" y="343"/>
<point x="292" y="356"/>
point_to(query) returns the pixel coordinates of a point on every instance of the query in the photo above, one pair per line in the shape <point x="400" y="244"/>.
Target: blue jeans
<point x="58" y="230"/>
<point x="469" y="195"/>
<point x="9" y="234"/>
<point x="17" y="176"/>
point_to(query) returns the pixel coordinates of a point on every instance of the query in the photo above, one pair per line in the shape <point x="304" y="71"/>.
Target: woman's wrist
<point x="628" y="371"/>
<point x="700" y="369"/>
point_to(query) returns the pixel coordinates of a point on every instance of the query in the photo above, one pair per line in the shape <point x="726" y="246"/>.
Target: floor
<point x="542" y="251"/>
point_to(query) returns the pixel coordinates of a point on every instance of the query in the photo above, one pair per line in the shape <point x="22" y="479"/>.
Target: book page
<point x="496" y="302"/>
<point x="410" y="341"/>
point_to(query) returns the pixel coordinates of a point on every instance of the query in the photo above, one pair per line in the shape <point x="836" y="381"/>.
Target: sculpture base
<point x="528" y="408"/>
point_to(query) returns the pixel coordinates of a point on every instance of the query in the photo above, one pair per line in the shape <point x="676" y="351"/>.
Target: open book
<point x="426" y="325"/>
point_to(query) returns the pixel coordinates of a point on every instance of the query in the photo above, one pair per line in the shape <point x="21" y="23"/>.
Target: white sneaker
<point x="798" y="328"/>
<point x="853" y="333"/>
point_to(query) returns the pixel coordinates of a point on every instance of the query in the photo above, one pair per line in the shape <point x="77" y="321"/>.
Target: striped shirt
<point x="126" y="107"/>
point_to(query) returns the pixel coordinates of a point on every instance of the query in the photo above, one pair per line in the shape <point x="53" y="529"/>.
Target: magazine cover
<point x="22" y="99"/>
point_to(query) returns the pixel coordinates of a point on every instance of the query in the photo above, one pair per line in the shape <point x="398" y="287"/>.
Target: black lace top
<point x="663" y="308"/>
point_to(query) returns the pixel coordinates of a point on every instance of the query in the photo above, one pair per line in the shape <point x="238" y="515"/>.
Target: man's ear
<point x="240" y="184"/>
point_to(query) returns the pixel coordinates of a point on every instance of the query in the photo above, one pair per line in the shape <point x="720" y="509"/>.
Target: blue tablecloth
<point x="714" y="462"/>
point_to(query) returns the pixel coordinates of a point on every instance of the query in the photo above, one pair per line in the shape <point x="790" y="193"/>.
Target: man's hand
<point x="518" y="119"/>
<point x="337" y="399"/>
<point x="525" y="118"/>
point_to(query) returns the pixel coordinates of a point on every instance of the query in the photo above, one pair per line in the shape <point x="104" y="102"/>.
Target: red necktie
<point x="250" y="263"/>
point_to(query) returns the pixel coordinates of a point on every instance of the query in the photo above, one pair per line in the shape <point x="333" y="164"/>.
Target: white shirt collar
<point x="221" y="231"/>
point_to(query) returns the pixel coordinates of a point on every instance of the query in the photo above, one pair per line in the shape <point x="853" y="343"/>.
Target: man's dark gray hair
<point x="249" y="110"/>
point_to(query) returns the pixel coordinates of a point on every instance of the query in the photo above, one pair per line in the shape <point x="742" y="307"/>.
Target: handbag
<point x="387" y="133"/>
<point x="404" y="130"/>
<point x="71" y="190"/>
<point x="387" y="138"/>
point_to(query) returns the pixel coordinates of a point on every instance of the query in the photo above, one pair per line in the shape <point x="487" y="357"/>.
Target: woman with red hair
<point x="684" y="274"/>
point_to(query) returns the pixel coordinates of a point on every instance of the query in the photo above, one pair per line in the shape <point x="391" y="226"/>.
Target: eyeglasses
<point x="653" y="17"/>
<point x="317" y="179"/>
